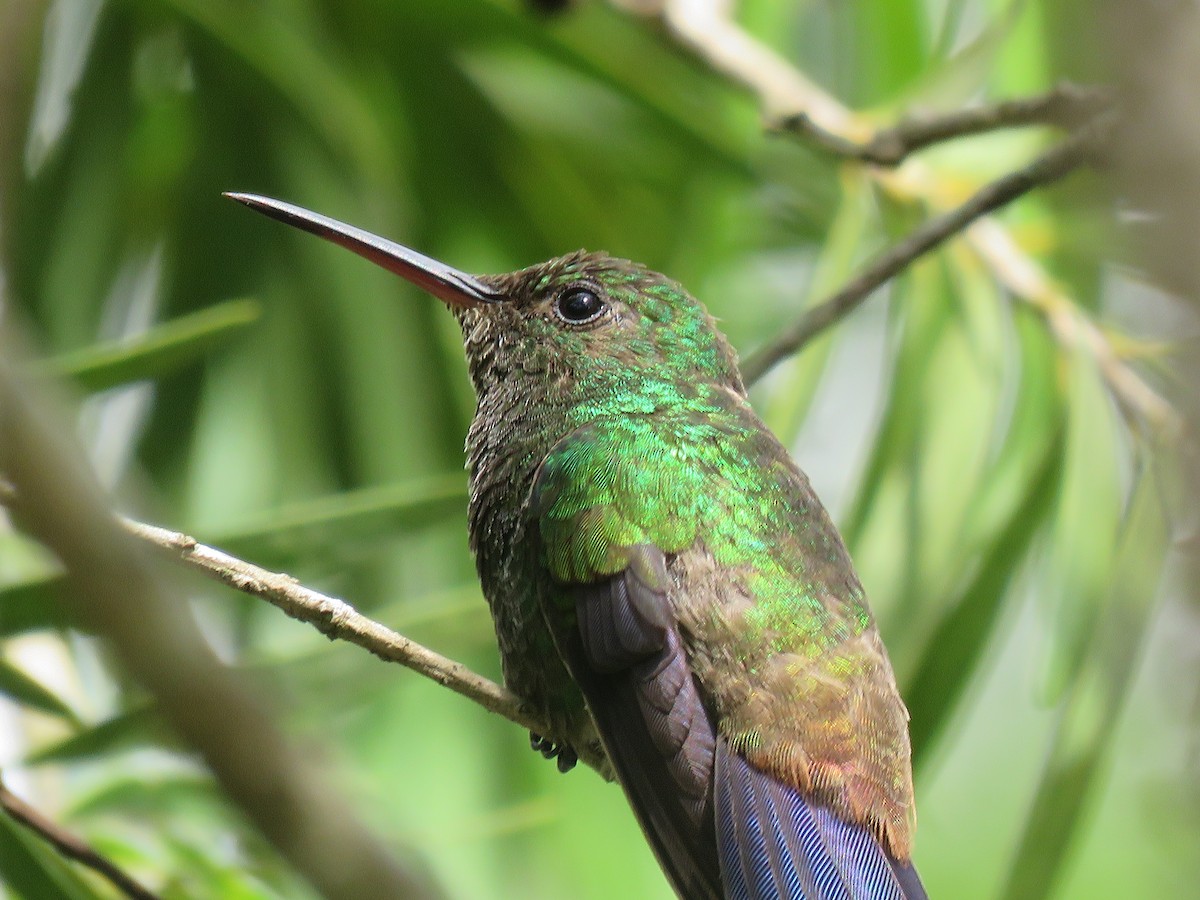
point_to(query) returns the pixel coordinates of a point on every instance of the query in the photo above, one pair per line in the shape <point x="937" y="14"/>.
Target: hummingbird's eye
<point x="579" y="306"/>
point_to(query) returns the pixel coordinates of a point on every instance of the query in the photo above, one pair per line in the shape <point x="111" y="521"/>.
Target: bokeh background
<point x="1019" y="533"/>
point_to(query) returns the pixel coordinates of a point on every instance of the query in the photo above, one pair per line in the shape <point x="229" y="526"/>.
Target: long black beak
<point x="449" y="285"/>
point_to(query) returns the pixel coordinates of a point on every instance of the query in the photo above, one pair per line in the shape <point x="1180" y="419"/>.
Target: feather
<point x="775" y="844"/>
<point x="647" y="708"/>
<point x="720" y="827"/>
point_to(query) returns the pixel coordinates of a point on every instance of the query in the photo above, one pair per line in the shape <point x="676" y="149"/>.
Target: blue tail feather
<point x="772" y="843"/>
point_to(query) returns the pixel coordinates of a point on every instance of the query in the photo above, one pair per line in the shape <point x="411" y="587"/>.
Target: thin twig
<point x="1066" y="106"/>
<point x="1071" y="328"/>
<point x="69" y="845"/>
<point x="705" y="29"/>
<point x="335" y="619"/>
<point x="1046" y="169"/>
<point x="338" y="620"/>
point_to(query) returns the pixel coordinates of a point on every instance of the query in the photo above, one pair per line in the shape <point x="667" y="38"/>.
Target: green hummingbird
<point x="667" y="590"/>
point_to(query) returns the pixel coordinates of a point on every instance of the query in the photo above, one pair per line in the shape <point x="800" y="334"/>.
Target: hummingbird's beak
<point x="448" y="285"/>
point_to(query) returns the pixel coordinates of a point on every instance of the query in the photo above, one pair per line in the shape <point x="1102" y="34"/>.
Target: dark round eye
<point x="579" y="306"/>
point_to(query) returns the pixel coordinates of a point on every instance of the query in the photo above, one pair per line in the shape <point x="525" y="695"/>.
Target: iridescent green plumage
<point x="665" y="586"/>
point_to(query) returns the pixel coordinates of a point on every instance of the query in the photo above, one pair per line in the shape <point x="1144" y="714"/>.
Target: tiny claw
<point x="542" y="745"/>
<point x="566" y="755"/>
<point x="566" y="759"/>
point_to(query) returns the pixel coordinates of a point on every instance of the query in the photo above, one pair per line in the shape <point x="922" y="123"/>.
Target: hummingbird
<point x="666" y="588"/>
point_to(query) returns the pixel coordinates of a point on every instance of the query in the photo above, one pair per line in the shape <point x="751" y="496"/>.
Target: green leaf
<point x="68" y="40"/>
<point x="890" y="45"/>
<point x="960" y="77"/>
<point x="790" y="401"/>
<point x="348" y="517"/>
<point x="298" y="62"/>
<point x="277" y="536"/>
<point x="32" y="604"/>
<point x="31" y="868"/>
<point x="163" y="349"/>
<point x="1088" y="519"/>
<point x="961" y="640"/>
<point x="1095" y="698"/>
<point x="27" y="691"/>
<point x="903" y="416"/>
<point x="148" y="796"/>
<point x="129" y="729"/>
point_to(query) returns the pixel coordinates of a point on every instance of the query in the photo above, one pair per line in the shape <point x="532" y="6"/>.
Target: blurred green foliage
<point x="1010" y="528"/>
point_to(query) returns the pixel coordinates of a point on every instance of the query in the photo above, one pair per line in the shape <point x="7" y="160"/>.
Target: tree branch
<point x="69" y="845"/>
<point x="1046" y="169"/>
<point x="1066" y="106"/>
<point x="705" y="29"/>
<point x="337" y="620"/>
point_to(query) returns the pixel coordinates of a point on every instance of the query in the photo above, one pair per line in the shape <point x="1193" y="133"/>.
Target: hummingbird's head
<point x="589" y="323"/>
<point x="586" y="327"/>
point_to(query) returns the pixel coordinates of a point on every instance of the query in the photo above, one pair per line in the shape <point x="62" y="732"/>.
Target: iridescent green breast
<point x="701" y="472"/>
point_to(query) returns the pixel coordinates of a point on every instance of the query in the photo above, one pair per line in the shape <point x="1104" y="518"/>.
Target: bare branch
<point x="1046" y="169"/>
<point x="1066" y="106"/>
<point x="705" y="29"/>
<point x="338" y="620"/>
<point x="1072" y="328"/>
<point x="69" y="845"/>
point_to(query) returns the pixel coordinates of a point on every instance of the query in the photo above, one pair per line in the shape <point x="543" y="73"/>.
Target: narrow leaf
<point x="31" y="869"/>
<point x="128" y="729"/>
<point x="32" y="604"/>
<point x="27" y="691"/>
<point x="1094" y="700"/>
<point x="350" y="516"/>
<point x="962" y="638"/>
<point x="161" y="350"/>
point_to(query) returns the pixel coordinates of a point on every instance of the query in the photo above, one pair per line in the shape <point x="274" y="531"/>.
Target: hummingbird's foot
<point x="564" y="753"/>
<point x="566" y="759"/>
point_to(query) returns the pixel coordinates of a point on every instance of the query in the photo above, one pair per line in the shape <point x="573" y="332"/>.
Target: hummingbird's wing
<point x="774" y="843"/>
<point x="626" y="654"/>
<point x="720" y="826"/>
